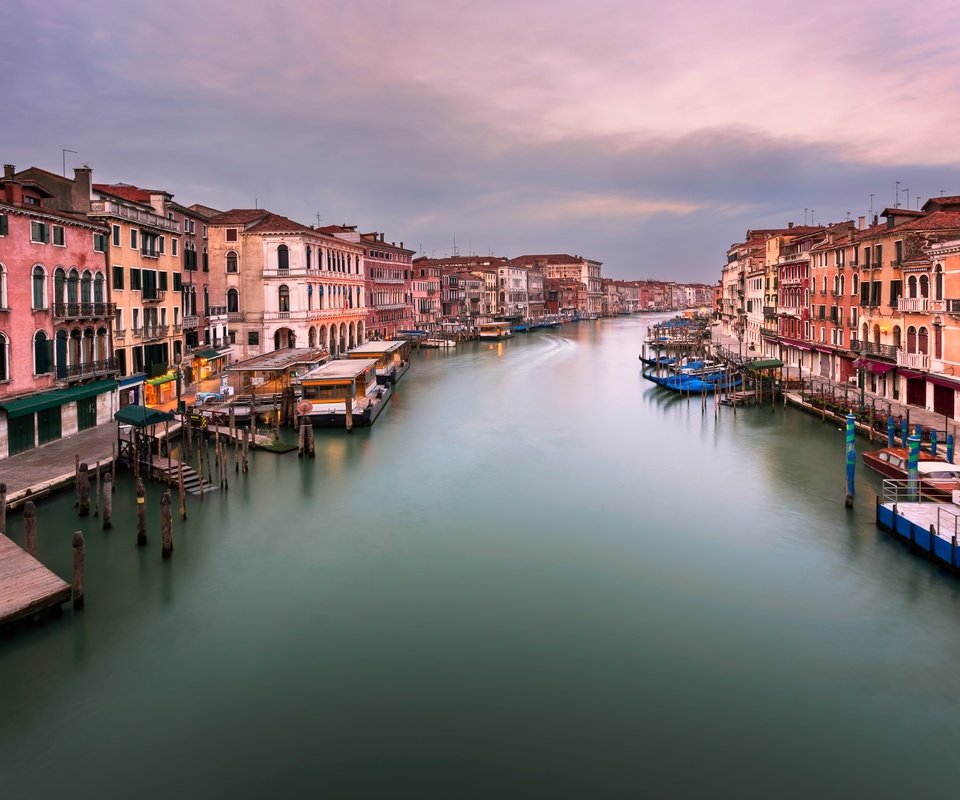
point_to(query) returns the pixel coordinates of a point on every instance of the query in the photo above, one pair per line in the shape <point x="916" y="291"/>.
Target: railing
<point x="769" y="311"/>
<point x="153" y="295"/>
<point x="792" y="310"/>
<point x="217" y="311"/>
<point x="149" y="252"/>
<point x="235" y="316"/>
<point x="913" y="304"/>
<point x="119" y="335"/>
<point x="90" y="368"/>
<point x="913" y="360"/>
<point x="177" y="327"/>
<point x="110" y="208"/>
<point x="137" y="332"/>
<point x="191" y="321"/>
<point x="154" y="332"/>
<point x="872" y="348"/>
<point x="83" y="310"/>
<point x="938" y="306"/>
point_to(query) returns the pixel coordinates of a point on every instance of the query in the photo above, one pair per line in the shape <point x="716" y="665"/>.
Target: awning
<point x="33" y="403"/>
<point x="161" y="380"/>
<point x="209" y="354"/>
<point x="906" y="373"/>
<point x="940" y="380"/>
<point x="141" y="416"/>
<point x="132" y="380"/>
<point x="764" y="363"/>
<point x="878" y="367"/>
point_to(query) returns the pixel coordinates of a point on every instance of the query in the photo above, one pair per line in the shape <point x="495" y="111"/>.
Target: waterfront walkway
<point x="26" y="586"/>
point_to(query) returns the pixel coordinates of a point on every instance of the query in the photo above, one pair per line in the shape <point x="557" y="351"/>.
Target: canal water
<point x="537" y="575"/>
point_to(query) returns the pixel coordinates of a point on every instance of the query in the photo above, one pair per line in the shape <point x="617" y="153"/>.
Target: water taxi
<point x="392" y="357"/>
<point x="346" y="383"/>
<point x="495" y="330"/>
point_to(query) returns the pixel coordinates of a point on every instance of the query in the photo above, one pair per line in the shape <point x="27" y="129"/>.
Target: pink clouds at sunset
<point x="649" y="135"/>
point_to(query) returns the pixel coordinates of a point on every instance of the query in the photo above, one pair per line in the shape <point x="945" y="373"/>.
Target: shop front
<point x="162" y="389"/>
<point x="207" y="363"/>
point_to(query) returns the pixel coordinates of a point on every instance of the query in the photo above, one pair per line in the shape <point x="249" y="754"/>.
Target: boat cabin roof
<point x="341" y="369"/>
<point x="279" y="360"/>
<point x="376" y="348"/>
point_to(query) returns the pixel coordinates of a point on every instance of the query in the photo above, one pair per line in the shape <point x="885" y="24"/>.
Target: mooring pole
<point x="851" y="459"/>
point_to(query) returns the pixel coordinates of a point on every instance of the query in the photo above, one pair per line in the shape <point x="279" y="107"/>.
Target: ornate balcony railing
<point x="235" y="316"/>
<point x="149" y="332"/>
<point x="111" y="208"/>
<point x="874" y="349"/>
<point x="119" y="335"/>
<point x="67" y="311"/>
<point x="89" y="369"/>
<point x="153" y="295"/>
<point x="191" y="321"/>
<point x="913" y="305"/>
<point x="913" y="360"/>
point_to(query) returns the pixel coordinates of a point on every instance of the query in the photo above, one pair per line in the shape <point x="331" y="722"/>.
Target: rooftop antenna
<point x="908" y="197"/>
<point x="872" y="195"/>
<point x="896" y="199"/>
<point x="848" y="214"/>
<point x="65" y="151"/>
<point x="455" y="253"/>
<point x="941" y="192"/>
<point x="804" y="216"/>
<point x="318" y="219"/>
<point x="811" y="215"/>
<point x="255" y="200"/>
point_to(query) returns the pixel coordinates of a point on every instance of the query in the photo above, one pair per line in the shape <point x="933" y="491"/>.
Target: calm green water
<point x="536" y="576"/>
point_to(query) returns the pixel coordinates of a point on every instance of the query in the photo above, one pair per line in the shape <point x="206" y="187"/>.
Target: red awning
<point x="939" y="380"/>
<point x="879" y="367"/>
<point x="906" y="373"/>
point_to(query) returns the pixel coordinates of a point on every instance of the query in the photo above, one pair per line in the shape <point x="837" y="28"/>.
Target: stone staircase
<point x="169" y="470"/>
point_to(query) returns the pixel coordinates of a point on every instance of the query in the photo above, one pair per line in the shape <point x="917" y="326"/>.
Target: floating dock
<point x="27" y="588"/>
<point x="928" y="526"/>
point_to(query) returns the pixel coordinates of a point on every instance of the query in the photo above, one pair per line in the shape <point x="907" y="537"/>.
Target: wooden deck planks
<point x="26" y="586"/>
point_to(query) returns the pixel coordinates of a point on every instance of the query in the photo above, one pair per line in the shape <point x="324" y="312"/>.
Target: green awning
<point x="764" y="363"/>
<point x="33" y="403"/>
<point x="141" y="416"/>
<point x="209" y="354"/>
<point x="161" y="380"/>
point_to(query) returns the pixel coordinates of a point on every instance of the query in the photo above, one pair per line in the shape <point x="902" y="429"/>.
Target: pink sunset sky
<point x="646" y="135"/>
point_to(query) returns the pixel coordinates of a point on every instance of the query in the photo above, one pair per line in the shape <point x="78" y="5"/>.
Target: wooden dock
<point x="26" y="586"/>
<point x="168" y="469"/>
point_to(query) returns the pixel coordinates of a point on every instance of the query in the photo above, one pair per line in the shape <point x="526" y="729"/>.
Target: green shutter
<point x="177" y="285"/>
<point x="134" y="278"/>
<point x="118" y="278"/>
<point x="3" y="225"/>
<point x="163" y="278"/>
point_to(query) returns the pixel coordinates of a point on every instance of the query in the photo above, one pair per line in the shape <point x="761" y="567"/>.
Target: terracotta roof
<point x="238" y="216"/>
<point x="126" y="192"/>
<point x="935" y="221"/>
<point x="553" y="258"/>
<point x="274" y="223"/>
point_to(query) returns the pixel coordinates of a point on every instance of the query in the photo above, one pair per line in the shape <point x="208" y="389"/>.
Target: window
<point x="118" y="278"/>
<point x="59" y="237"/>
<point x="98" y="287"/>
<point x="174" y="247"/>
<point x="877" y="293"/>
<point x="898" y="250"/>
<point x="163" y="281"/>
<point x="160" y="247"/>
<point x="100" y="242"/>
<point x="283" y="298"/>
<point x="253" y="338"/>
<point x="4" y="225"/>
<point x="3" y="286"/>
<point x="4" y="359"/>
<point x="116" y="235"/>
<point x="42" y="354"/>
<point x="39" y="288"/>
<point x="283" y="257"/>
<point x="896" y="290"/>
<point x="232" y="265"/>
<point x="233" y="301"/>
<point x="133" y="239"/>
<point x="206" y="263"/>
<point x="39" y="232"/>
<point x="135" y="278"/>
<point x="231" y="234"/>
<point x="177" y="285"/>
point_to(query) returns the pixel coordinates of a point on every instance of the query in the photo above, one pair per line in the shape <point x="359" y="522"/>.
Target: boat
<point x="938" y="476"/>
<point x="392" y="356"/>
<point x="438" y="343"/>
<point x="495" y="330"/>
<point x="349" y="382"/>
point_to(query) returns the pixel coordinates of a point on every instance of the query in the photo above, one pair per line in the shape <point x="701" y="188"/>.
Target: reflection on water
<point x="537" y="575"/>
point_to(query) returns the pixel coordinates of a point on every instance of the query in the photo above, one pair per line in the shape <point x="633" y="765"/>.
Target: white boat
<point x="438" y="343"/>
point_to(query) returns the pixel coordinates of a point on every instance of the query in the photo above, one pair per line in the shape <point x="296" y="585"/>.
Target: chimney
<point x="876" y="219"/>
<point x="861" y="223"/>
<point x="81" y="189"/>
<point x="789" y="225"/>
<point x="8" y="171"/>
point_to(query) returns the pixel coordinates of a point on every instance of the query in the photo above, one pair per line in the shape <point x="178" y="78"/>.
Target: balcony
<point x="952" y="306"/>
<point x="177" y="328"/>
<point x="69" y="311"/>
<point x="88" y="370"/>
<point x="770" y="312"/>
<point x="913" y="305"/>
<point x="191" y="321"/>
<point x="913" y="360"/>
<point x="153" y="295"/>
<point x="119" y="335"/>
<point x="235" y="316"/>
<point x="872" y="348"/>
<point x="111" y="208"/>
<point x="793" y="311"/>
<point x="152" y="332"/>
<point x="149" y="252"/>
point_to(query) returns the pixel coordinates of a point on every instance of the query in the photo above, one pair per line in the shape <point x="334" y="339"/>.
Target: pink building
<point x="56" y="358"/>
<point x="426" y="294"/>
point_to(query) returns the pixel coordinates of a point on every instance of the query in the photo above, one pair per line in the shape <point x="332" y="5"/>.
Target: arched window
<point x="59" y="286"/>
<point x="283" y="298"/>
<point x="320" y="299"/>
<point x="39" y="287"/>
<point x="924" y="286"/>
<point x="876" y="335"/>
<point x="896" y="336"/>
<point x="42" y="354"/>
<point x="4" y="358"/>
<point x="232" y="265"/>
<point x="86" y="287"/>
<point x="923" y="341"/>
<point x="98" y="287"/>
<point x="233" y="301"/>
<point x="938" y="282"/>
<point x="937" y="341"/>
<point x="855" y="289"/>
<point x="283" y="257"/>
<point x="310" y="298"/>
<point x="912" y="286"/>
<point x="3" y="286"/>
<point x="911" y="339"/>
<point x="73" y="286"/>
<point x="309" y="256"/>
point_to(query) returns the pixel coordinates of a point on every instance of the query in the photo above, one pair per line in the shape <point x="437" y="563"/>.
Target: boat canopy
<point x="764" y="363"/>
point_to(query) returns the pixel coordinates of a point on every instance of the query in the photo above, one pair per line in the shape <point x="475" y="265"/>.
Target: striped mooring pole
<point x="950" y="447"/>
<point x="851" y="460"/>
<point x="891" y="432"/>
<point x="933" y="442"/>
<point x="913" y="468"/>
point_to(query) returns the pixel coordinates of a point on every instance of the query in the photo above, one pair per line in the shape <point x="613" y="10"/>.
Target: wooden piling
<point x="302" y="438"/>
<point x="83" y="490"/>
<point x="3" y="509"/>
<point x="180" y="492"/>
<point x="348" y="416"/>
<point x="113" y="466"/>
<point x="107" y="502"/>
<point x="311" y="451"/>
<point x="166" y="525"/>
<point x="206" y="447"/>
<point x="141" y="514"/>
<point x="96" y="495"/>
<point x="76" y="481"/>
<point x="200" y="463"/>
<point x="30" y="527"/>
<point x="77" y="585"/>
<point x="246" y="448"/>
<point x="187" y="424"/>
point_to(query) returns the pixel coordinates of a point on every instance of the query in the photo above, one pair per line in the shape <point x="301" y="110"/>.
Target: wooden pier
<point x="27" y="588"/>
<point x="168" y="469"/>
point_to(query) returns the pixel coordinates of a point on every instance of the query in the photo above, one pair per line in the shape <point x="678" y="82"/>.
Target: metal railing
<point x="154" y="331"/>
<point x="874" y="349"/>
<point x="101" y="367"/>
<point x="83" y="310"/>
<point x="119" y="335"/>
<point x="153" y="295"/>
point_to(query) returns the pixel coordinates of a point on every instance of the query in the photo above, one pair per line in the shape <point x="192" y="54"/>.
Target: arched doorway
<point x="284" y="338"/>
<point x="343" y="338"/>
<point x="312" y="337"/>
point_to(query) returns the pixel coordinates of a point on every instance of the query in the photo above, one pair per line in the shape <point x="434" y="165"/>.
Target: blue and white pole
<point x="933" y="442"/>
<point x="891" y="432"/>
<point x="950" y="447"/>
<point x="851" y="459"/>
<point x="903" y="431"/>
<point x="913" y="467"/>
